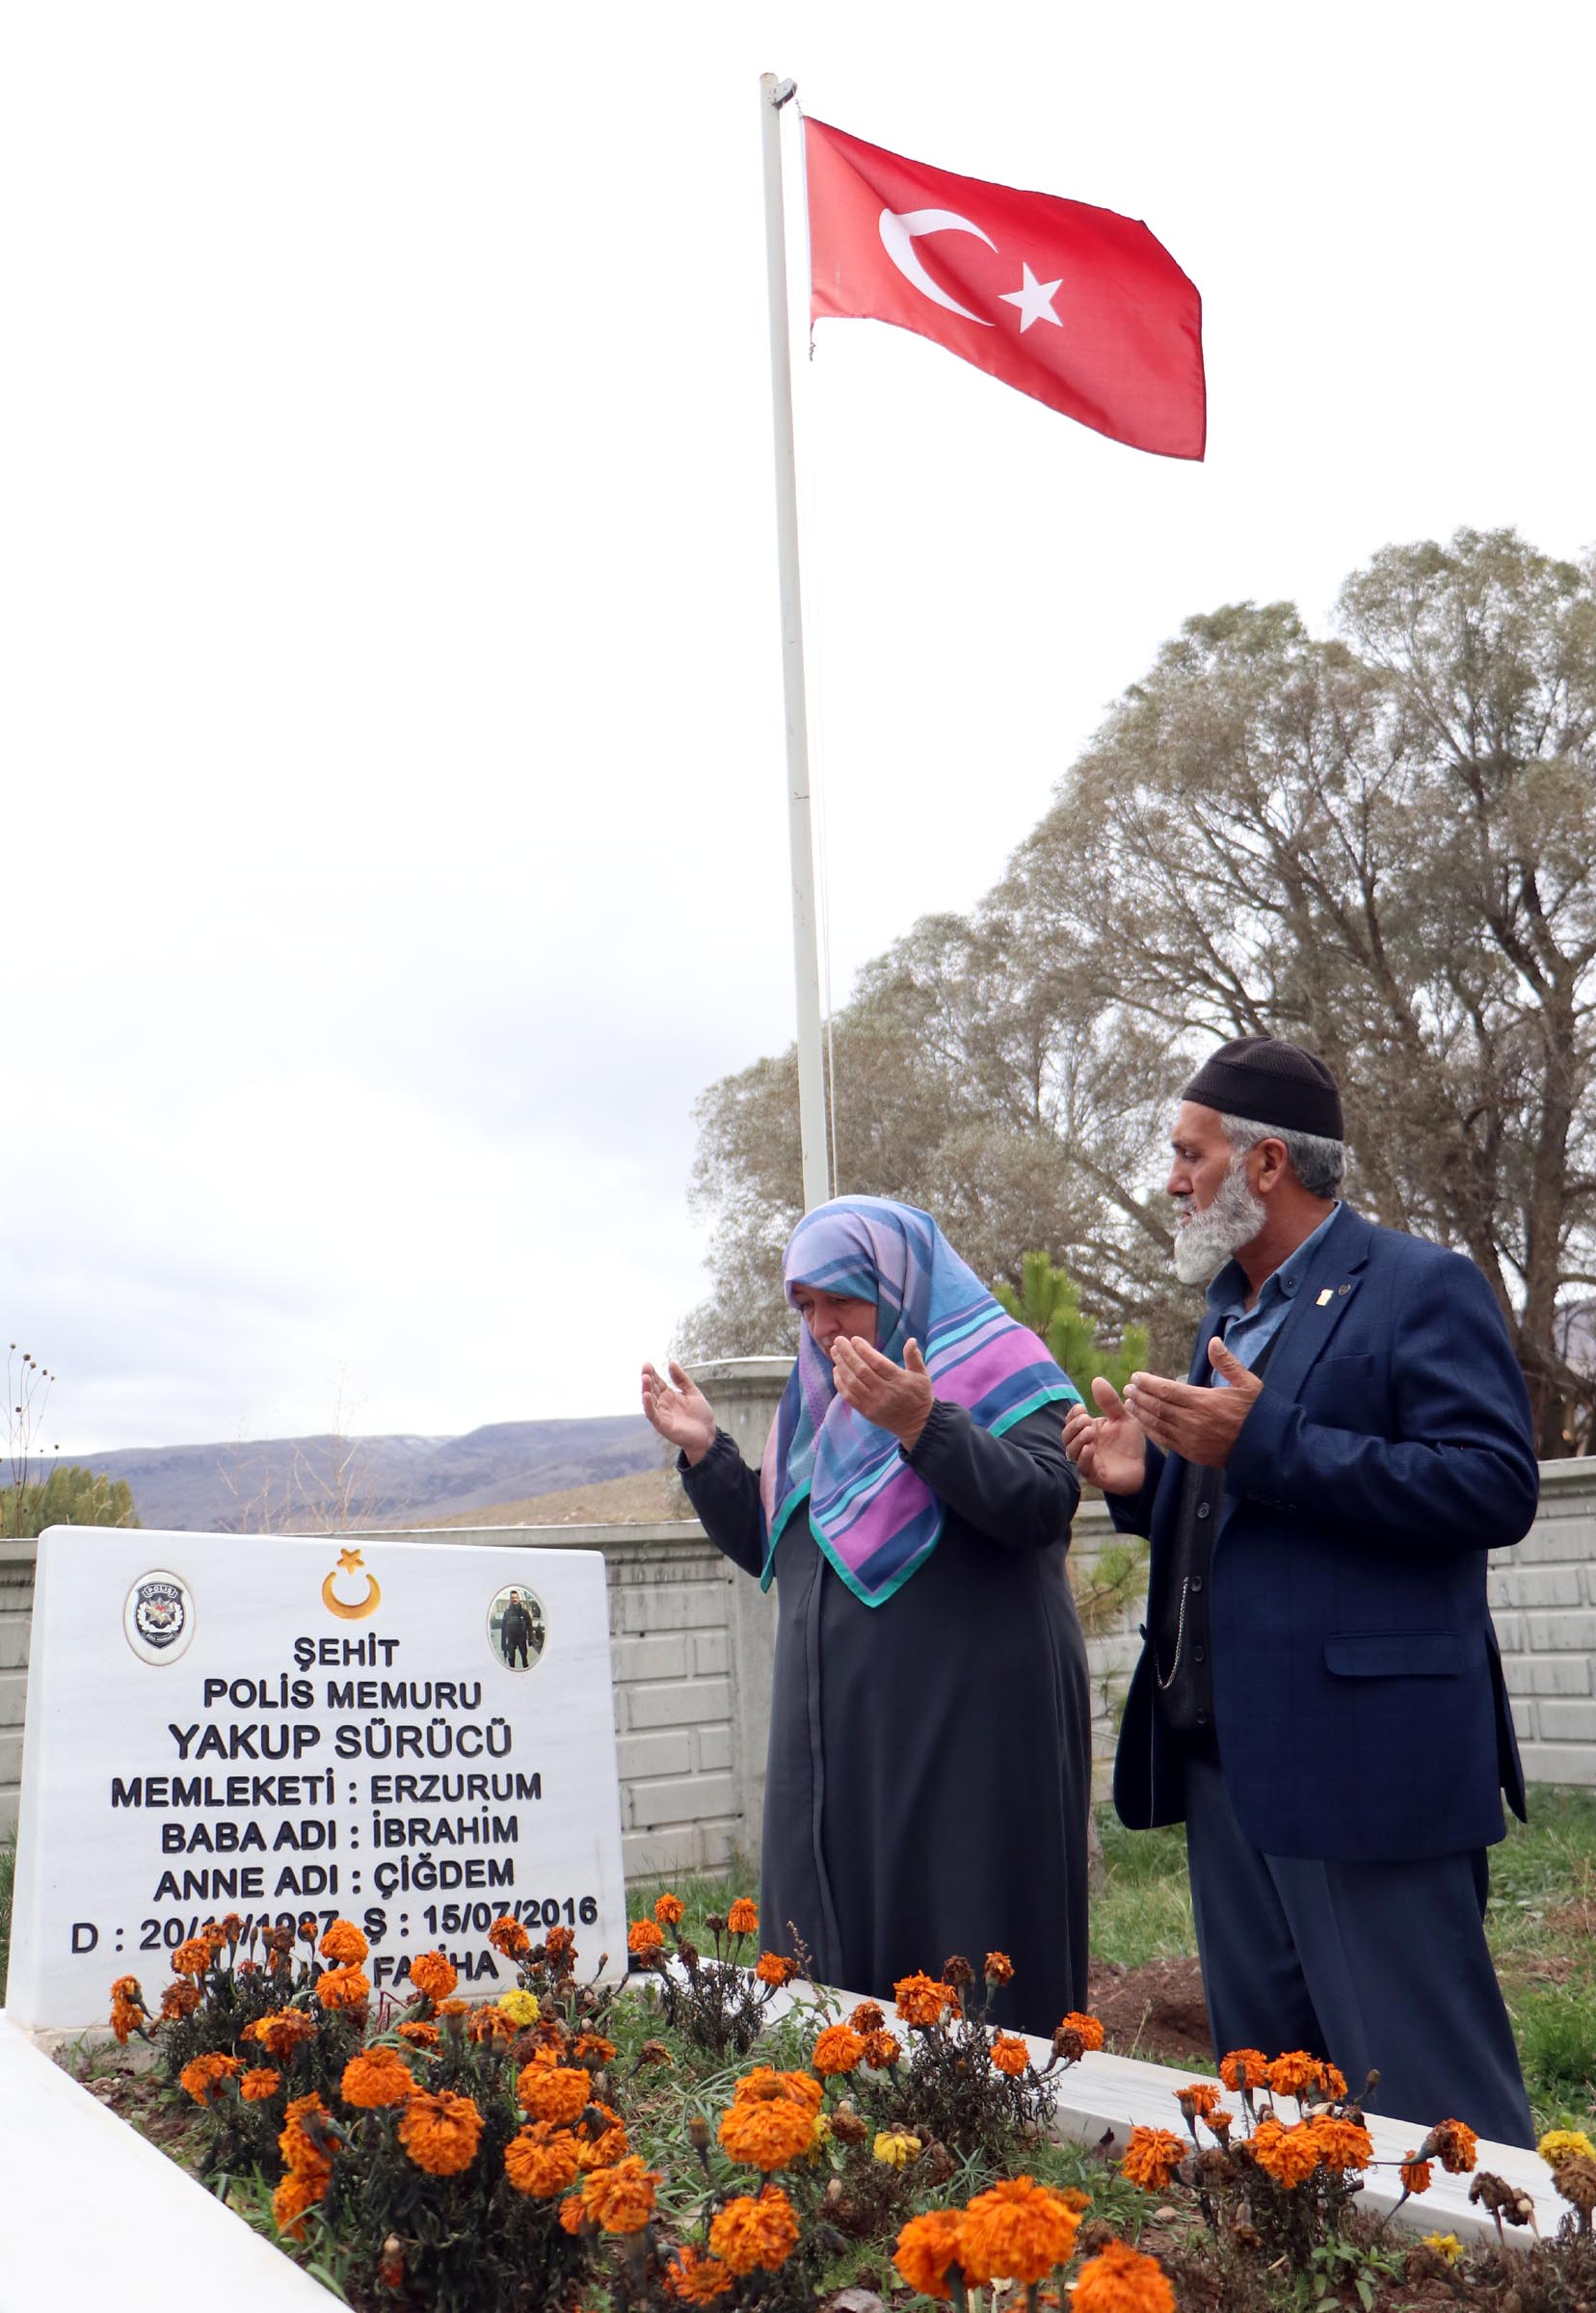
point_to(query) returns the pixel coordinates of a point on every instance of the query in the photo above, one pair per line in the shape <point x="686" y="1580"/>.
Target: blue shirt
<point x="1247" y="1333"/>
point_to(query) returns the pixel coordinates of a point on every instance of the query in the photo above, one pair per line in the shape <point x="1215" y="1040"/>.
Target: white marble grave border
<point x="177" y="2249"/>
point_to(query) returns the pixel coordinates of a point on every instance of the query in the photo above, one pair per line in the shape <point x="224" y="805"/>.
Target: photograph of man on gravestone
<point x="516" y="1626"/>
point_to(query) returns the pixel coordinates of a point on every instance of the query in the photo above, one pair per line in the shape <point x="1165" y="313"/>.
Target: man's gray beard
<point x="1206" y="1242"/>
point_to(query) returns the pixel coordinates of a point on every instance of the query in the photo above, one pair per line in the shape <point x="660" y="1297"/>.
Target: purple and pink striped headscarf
<point x="873" y="1517"/>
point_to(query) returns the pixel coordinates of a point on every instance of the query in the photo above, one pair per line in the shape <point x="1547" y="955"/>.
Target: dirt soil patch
<point x="1154" y="2011"/>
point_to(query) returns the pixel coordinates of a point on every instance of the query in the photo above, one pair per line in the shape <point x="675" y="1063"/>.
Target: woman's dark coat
<point x="930" y="1758"/>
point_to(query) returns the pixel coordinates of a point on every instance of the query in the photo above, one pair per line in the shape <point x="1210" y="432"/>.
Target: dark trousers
<point x="1379" y="1966"/>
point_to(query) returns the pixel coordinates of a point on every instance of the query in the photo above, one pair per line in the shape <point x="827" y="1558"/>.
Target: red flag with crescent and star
<point x="1079" y="307"/>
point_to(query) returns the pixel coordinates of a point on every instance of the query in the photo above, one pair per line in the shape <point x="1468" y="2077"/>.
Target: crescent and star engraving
<point x="899" y="231"/>
<point x="350" y="1562"/>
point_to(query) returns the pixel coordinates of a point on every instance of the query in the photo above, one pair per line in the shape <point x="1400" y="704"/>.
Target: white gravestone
<point x="416" y="1737"/>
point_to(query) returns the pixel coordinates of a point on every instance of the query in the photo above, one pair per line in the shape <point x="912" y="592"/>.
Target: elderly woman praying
<point x="930" y="1744"/>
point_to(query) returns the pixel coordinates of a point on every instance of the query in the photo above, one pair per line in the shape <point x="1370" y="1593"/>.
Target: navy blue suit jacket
<point x="1359" y="1701"/>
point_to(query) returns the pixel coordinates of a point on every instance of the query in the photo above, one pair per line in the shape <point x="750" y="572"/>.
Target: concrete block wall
<point x="17" y="1580"/>
<point x="1543" y="1603"/>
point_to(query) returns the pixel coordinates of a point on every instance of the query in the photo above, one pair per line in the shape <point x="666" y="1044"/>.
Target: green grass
<point x="1144" y="1910"/>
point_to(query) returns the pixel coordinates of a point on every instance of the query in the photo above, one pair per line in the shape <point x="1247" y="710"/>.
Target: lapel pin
<point x="1343" y="1289"/>
<point x="1323" y="1298"/>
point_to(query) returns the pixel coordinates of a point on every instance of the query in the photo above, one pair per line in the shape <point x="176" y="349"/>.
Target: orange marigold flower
<point x="294" y="2199"/>
<point x="882" y="2050"/>
<point x="766" y="2086"/>
<point x="1120" y="2279"/>
<point x="434" y="1974"/>
<point x="542" y="2161"/>
<point x="922" y="2000"/>
<point x="1294" y="2074"/>
<point x="620" y="2199"/>
<point x="1010" y="2055"/>
<point x="180" y="1999"/>
<point x="378" y="2077"/>
<point x="755" y="2236"/>
<point x="125" y="2013"/>
<point x="766" y="2136"/>
<point x="1333" y="2082"/>
<point x="667" y="1909"/>
<point x="257" y="2085"/>
<point x="602" y="2139"/>
<point x="773" y="1969"/>
<point x="1290" y="2155"/>
<point x="743" y="1918"/>
<point x="1199" y="2099"/>
<point x="192" y="1958"/>
<point x="450" y="2008"/>
<point x="342" y="1988"/>
<point x="839" y="2049"/>
<point x="927" y="2250"/>
<point x="421" y="2035"/>
<point x="1417" y="2175"/>
<point x="553" y="2093"/>
<point x="441" y="2133"/>
<point x="205" y="2074"/>
<point x="593" y="2049"/>
<point x="304" y="2142"/>
<point x="1244" y="2068"/>
<point x="1453" y="2143"/>
<point x="508" y="1936"/>
<point x="1342" y="2144"/>
<point x="572" y="2214"/>
<point x="1018" y="2231"/>
<point x="560" y="1943"/>
<point x="1151" y="2157"/>
<point x="1088" y="2026"/>
<point x="645" y="1939"/>
<point x="694" y="2279"/>
<point x="281" y="2033"/>
<point x="866" y="2017"/>
<point x="344" y="1944"/>
<point x="999" y="1968"/>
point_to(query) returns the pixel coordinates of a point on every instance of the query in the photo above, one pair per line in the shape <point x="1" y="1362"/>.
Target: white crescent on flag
<point x="898" y="234"/>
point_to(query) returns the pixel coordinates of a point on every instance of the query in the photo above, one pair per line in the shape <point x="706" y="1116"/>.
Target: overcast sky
<point x="394" y="822"/>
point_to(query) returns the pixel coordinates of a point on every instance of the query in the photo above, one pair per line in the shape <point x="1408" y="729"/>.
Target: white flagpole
<point x="806" y="953"/>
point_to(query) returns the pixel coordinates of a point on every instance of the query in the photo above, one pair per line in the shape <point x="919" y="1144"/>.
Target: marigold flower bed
<point x="568" y="2147"/>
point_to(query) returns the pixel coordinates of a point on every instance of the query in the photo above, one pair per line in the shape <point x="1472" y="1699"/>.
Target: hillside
<point x="283" y="1484"/>
<point x="636" y="1499"/>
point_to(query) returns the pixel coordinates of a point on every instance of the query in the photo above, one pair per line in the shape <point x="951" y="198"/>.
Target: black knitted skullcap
<point x="1269" y="1084"/>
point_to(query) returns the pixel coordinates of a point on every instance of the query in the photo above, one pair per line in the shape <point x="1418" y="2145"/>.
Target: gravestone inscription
<point x="413" y="1736"/>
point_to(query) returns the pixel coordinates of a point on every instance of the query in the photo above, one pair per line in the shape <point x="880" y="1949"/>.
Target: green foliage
<point x="70" y="1496"/>
<point x="1048" y="1302"/>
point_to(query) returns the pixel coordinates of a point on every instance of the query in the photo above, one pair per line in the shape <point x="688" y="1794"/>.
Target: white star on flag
<point x="1034" y="300"/>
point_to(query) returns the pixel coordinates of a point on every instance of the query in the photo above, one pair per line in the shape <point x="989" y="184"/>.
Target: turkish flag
<point x="1079" y="307"/>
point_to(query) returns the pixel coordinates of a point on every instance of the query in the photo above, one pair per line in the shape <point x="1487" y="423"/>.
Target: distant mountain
<point x="316" y="1482"/>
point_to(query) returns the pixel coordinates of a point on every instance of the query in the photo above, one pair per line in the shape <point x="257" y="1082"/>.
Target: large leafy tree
<point x="1382" y="844"/>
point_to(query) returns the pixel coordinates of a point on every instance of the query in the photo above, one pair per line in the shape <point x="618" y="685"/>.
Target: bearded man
<point x="1319" y="1696"/>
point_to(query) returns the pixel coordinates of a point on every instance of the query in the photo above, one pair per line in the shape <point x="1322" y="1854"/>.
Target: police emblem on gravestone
<point x="158" y="1618"/>
<point x="518" y="1629"/>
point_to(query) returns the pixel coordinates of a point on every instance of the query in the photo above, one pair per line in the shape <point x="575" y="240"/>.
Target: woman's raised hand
<point x="897" y="1398"/>
<point x="1110" y="1452"/>
<point x="682" y="1414"/>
